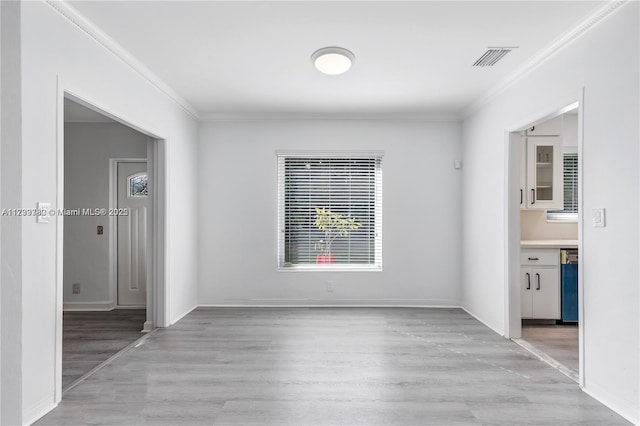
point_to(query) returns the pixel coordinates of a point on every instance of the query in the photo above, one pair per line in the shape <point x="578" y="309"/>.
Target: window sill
<point x="330" y="268"/>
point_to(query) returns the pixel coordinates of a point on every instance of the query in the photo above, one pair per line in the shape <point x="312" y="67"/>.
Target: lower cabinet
<point x="540" y="283"/>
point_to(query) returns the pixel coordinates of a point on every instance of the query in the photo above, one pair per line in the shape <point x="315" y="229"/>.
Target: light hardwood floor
<point x="560" y="342"/>
<point x="326" y="366"/>
<point x="89" y="338"/>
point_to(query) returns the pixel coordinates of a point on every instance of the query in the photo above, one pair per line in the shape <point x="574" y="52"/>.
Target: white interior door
<point x="132" y="233"/>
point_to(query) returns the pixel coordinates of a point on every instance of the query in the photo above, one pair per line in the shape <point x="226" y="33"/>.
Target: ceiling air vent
<point x="492" y="56"/>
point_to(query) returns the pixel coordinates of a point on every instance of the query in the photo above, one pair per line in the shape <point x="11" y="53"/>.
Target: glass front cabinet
<point x="544" y="173"/>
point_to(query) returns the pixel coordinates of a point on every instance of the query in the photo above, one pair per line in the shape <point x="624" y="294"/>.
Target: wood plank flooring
<point x="560" y="342"/>
<point x="326" y="366"/>
<point x="90" y="338"/>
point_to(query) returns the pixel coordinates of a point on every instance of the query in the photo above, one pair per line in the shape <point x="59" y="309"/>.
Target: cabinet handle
<point x="538" y="285"/>
<point x="521" y="192"/>
<point x="528" y="281"/>
<point x="533" y="196"/>
<point x="533" y="258"/>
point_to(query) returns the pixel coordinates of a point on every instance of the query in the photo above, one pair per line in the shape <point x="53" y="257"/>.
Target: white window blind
<point x="350" y="188"/>
<point x="570" y="174"/>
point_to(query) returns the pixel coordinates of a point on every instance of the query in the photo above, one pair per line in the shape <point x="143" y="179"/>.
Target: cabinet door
<point x="526" y="288"/>
<point x="544" y="173"/>
<point x="545" y="289"/>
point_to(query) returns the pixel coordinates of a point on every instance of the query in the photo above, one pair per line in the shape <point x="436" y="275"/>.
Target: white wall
<point x="238" y="213"/>
<point x="610" y="157"/>
<point x="53" y="47"/>
<point x="1" y="120"/>
<point x="88" y="149"/>
<point x="10" y="244"/>
<point x="570" y="130"/>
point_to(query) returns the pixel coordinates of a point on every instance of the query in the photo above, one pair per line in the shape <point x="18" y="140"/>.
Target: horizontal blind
<point x="570" y="187"/>
<point x="347" y="186"/>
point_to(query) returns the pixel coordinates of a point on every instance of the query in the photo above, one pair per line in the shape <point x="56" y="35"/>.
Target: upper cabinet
<point x="544" y="173"/>
<point x="541" y="180"/>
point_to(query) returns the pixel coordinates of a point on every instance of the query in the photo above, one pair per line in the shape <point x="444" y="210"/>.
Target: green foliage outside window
<point x="333" y="225"/>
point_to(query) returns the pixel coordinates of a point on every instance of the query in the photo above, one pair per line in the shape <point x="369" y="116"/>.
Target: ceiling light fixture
<point x="332" y="60"/>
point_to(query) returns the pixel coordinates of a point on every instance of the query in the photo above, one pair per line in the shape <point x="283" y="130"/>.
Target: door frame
<point x="113" y="231"/>
<point x="513" y="323"/>
<point x="157" y="291"/>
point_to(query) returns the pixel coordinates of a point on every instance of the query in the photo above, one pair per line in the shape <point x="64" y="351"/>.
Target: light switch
<point x="598" y="218"/>
<point x="43" y="212"/>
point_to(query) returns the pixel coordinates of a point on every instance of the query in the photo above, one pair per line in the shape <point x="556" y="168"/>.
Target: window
<point x="138" y="185"/>
<point x="330" y="211"/>
<point x="570" y="173"/>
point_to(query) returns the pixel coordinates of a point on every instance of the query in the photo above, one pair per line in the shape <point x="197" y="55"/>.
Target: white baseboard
<point x="88" y="306"/>
<point x="333" y="303"/>
<point x="38" y="411"/>
<point x="184" y="314"/>
<point x="624" y="408"/>
<point x="96" y="306"/>
<point x="500" y="332"/>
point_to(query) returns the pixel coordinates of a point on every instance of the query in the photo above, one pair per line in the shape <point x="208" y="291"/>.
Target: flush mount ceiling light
<point x="332" y="60"/>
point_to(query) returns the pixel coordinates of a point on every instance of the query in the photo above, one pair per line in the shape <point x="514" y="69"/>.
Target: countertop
<point x="549" y="244"/>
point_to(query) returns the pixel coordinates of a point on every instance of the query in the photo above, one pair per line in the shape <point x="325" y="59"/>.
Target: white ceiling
<point x="247" y="59"/>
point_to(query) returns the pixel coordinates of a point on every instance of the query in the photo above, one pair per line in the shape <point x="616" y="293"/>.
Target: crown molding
<point x="214" y="117"/>
<point x="90" y="29"/>
<point x="590" y="22"/>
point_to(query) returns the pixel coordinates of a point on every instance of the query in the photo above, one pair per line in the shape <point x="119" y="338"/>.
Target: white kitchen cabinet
<point x="540" y="283"/>
<point x="544" y="173"/>
<point x="541" y="164"/>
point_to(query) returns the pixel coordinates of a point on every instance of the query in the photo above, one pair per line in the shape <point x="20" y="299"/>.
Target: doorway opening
<point x="110" y="279"/>
<point x="544" y="232"/>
